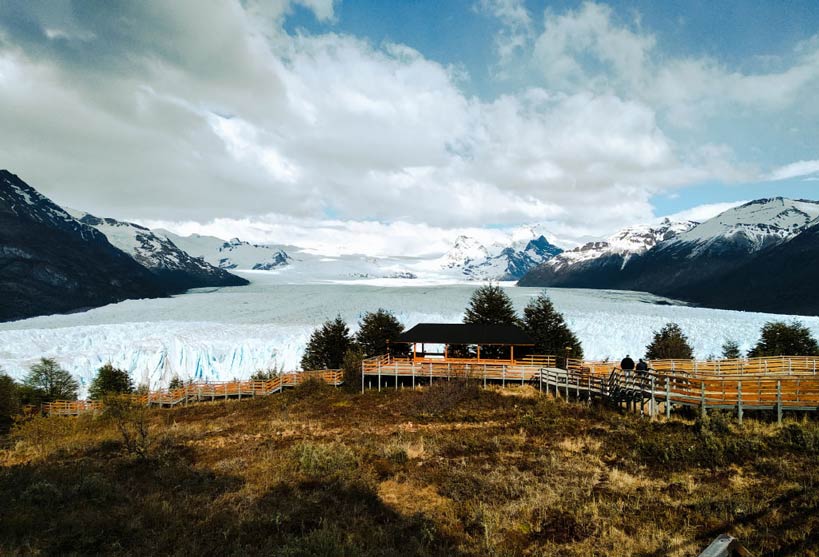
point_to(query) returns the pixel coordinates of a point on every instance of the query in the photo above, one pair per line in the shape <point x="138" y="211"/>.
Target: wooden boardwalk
<point x="200" y="392"/>
<point x="786" y="389"/>
<point x="386" y="371"/>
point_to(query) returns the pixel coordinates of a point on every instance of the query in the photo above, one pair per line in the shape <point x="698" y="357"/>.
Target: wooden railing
<point x="773" y="365"/>
<point x="384" y="368"/>
<point x="780" y="390"/>
<point x="198" y="392"/>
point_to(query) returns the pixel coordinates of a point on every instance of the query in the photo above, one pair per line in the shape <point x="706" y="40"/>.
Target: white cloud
<point x="238" y="124"/>
<point x="589" y="49"/>
<point x="702" y="213"/>
<point x="798" y="169"/>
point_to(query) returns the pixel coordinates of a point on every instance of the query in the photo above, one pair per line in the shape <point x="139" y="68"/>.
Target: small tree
<point x="376" y="332"/>
<point x="327" y="346"/>
<point x="669" y="344"/>
<point x="352" y="366"/>
<point x="9" y="401"/>
<point x="110" y="380"/>
<point x="549" y="330"/>
<point x="490" y="305"/>
<point x="131" y="420"/>
<point x="175" y="383"/>
<point x="49" y="382"/>
<point x="785" y="339"/>
<point x="730" y="350"/>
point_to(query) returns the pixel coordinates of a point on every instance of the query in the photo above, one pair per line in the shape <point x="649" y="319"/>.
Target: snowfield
<point x="226" y="333"/>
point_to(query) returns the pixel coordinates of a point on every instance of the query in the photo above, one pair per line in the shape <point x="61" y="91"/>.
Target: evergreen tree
<point x="785" y="339"/>
<point x="327" y="346"/>
<point x="730" y="350"/>
<point x="377" y="331"/>
<point x="110" y="380"/>
<point x="9" y="401"/>
<point x="669" y="344"/>
<point x="490" y="305"/>
<point x="49" y="382"/>
<point x="549" y="330"/>
<point x="175" y="383"/>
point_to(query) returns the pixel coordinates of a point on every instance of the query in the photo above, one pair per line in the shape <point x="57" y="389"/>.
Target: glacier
<point x="217" y="334"/>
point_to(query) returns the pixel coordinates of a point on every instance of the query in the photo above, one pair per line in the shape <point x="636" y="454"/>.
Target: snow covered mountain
<point x="633" y="240"/>
<point x="175" y="268"/>
<point x="52" y="263"/>
<point x="231" y="254"/>
<point x="748" y="228"/>
<point x="701" y="264"/>
<point x="471" y="259"/>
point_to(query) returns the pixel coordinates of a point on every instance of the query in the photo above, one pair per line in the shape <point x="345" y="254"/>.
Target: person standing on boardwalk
<point x="642" y="370"/>
<point x="627" y="364"/>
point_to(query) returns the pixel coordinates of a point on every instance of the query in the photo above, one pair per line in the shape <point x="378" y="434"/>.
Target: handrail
<point x="200" y="391"/>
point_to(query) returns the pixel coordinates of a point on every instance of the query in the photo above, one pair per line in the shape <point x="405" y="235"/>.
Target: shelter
<point x="466" y="341"/>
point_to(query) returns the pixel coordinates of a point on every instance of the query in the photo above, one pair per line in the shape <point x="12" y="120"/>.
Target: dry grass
<point x="451" y="470"/>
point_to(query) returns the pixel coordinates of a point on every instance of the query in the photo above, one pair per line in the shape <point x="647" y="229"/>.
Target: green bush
<point x="49" y="382"/>
<point x="110" y="380"/>
<point x="324" y="461"/>
<point x="327" y="346"/>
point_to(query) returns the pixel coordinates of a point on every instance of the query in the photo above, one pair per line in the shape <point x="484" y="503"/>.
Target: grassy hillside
<point x="450" y="470"/>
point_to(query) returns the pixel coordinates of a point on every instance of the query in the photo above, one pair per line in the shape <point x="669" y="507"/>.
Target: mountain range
<point x="53" y="262"/>
<point x="759" y="256"/>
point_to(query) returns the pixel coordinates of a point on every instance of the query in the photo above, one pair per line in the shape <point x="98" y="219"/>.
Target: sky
<point x="345" y="123"/>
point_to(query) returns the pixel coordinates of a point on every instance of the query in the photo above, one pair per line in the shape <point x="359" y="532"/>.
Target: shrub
<point x="669" y="343"/>
<point x="444" y="396"/>
<point x="327" y="346"/>
<point x="324" y="461"/>
<point x="352" y="367"/>
<point x="549" y="330"/>
<point x="730" y="350"/>
<point x="176" y="383"/>
<point x="785" y="339"/>
<point x="49" y="382"/>
<point x="9" y="401"/>
<point x="264" y="375"/>
<point x="131" y="420"/>
<point x="110" y="380"/>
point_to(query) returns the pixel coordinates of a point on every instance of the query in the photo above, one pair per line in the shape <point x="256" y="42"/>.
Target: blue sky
<point x="410" y="119"/>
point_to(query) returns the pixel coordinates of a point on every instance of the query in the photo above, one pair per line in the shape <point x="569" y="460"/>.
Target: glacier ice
<point x="220" y="334"/>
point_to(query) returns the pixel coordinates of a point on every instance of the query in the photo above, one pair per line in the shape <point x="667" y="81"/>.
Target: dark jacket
<point x="627" y="363"/>
<point x="641" y="366"/>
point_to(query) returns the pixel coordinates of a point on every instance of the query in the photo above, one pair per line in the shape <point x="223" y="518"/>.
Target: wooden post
<point x="522" y="375"/>
<point x="702" y="399"/>
<point x="396" y="375"/>
<point x="652" y="405"/>
<point x="362" y="378"/>
<point x="413" y="376"/>
<point x="503" y="373"/>
<point x="479" y="352"/>
<point x="779" y="401"/>
<point x="567" y="386"/>
<point x="540" y="380"/>
<point x="484" y="376"/>
<point x="739" y="401"/>
<point x="667" y="397"/>
<point x="589" y="392"/>
<point x="379" y="378"/>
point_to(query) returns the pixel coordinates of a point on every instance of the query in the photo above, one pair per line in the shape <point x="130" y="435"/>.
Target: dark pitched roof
<point x="459" y="333"/>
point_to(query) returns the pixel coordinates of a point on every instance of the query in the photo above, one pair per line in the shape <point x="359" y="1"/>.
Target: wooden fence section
<point x="384" y="369"/>
<point x="198" y="392"/>
<point x="775" y="365"/>
<point x="648" y="391"/>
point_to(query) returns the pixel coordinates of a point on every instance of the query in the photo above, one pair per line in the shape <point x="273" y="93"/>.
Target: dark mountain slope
<point x="51" y="263"/>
